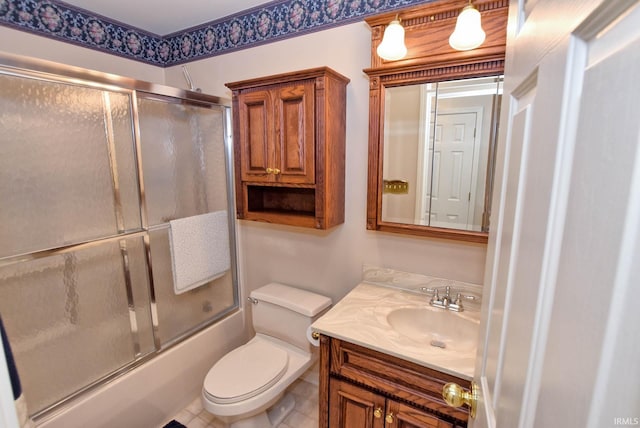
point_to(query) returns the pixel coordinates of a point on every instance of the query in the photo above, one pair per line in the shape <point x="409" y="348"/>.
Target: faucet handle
<point x="458" y="300"/>
<point x="435" y="291"/>
<point x="435" y="298"/>
<point x="456" y="306"/>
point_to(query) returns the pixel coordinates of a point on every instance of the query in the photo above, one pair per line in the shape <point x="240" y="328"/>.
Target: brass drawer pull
<point x="389" y="418"/>
<point x="377" y="413"/>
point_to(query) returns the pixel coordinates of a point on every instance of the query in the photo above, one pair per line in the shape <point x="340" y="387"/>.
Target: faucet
<point x="436" y="300"/>
<point x="446" y="302"/>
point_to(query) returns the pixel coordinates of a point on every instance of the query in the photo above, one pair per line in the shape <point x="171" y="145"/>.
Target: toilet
<point x="246" y="387"/>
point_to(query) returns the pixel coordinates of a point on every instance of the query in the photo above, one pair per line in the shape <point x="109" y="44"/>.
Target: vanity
<point x="398" y="343"/>
<point x="386" y="353"/>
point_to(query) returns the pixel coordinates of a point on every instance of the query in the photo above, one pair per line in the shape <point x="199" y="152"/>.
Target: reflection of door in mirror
<point x="438" y="138"/>
<point x="447" y="199"/>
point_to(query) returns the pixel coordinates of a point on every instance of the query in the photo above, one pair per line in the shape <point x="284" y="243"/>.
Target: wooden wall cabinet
<point x="362" y="388"/>
<point x="289" y="148"/>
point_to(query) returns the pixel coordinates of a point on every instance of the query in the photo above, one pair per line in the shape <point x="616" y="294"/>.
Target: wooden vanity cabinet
<point x="289" y="147"/>
<point x="363" y="388"/>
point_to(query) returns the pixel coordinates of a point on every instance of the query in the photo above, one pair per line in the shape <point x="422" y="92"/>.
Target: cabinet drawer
<point x="394" y="376"/>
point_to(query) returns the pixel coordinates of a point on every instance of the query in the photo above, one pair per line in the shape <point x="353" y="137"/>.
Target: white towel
<point x="199" y="249"/>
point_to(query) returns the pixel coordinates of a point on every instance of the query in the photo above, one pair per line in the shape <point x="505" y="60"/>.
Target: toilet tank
<point x="286" y="312"/>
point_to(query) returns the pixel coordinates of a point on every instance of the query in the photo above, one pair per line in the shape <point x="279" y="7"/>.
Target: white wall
<point x="328" y="262"/>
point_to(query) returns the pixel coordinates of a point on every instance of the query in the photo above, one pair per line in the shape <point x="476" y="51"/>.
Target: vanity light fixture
<point x="468" y="33"/>
<point x="392" y="47"/>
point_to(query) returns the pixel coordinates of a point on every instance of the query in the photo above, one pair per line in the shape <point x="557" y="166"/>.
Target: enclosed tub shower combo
<point x="103" y="180"/>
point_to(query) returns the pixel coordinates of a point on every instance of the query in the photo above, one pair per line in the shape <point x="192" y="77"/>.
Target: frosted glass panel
<point x="184" y="167"/>
<point x="178" y="314"/>
<point x="183" y="159"/>
<point x="125" y="165"/>
<point x="56" y="182"/>
<point x="68" y="321"/>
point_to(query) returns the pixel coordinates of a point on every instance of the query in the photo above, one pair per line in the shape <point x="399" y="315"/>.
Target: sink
<point x="435" y="327"/>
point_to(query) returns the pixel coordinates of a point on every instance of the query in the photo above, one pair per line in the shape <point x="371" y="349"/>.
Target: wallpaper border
<point x="270" y="22"/>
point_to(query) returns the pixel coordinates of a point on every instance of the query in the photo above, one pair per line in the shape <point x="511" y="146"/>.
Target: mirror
<point x="437" y="163"/>
<point x="433" y="124"/>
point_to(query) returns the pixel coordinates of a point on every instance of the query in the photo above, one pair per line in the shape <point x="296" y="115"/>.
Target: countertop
<point x="361" y="318"/>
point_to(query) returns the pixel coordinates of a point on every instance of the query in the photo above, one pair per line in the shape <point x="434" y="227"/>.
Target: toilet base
<point x="281" y="409"/>
<point x="271" y="418"/>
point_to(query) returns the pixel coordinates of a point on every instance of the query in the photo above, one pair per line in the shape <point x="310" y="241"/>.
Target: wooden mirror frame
<point x="429" y="59"/>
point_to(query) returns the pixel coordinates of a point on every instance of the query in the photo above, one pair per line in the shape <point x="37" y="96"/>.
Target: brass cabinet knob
<point x="377" y="413"/>
<point x="389" y="418"/>
<point x="276" y="171"/>
<point x="456" y="396"/>
<point x="269" y="170"/>
<point x="315" y="335"/>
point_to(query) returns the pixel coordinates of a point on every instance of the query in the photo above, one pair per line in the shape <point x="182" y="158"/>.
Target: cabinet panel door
<point x="256" y="135"/>
<point x="354" y="407"/>
<point x="405" y="416"/>
<point x="295" y="133"/>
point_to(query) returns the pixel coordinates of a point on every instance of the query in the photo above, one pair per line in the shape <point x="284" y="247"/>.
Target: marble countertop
<point x="361" y="318"/>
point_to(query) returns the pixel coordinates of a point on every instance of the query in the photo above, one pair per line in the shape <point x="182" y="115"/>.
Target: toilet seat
<point x="245" y="372"/>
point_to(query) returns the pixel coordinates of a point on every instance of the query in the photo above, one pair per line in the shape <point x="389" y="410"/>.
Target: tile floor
<point x="304" y="415"/>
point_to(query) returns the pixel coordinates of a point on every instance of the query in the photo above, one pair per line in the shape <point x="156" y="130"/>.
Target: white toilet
<point x="245" y="388"/>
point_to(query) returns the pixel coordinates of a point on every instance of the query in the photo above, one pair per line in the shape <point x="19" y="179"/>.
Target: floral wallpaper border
<point x="270" y="22"/>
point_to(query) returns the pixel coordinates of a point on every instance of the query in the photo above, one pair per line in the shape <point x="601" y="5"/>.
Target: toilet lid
<point x="245" y="372"/>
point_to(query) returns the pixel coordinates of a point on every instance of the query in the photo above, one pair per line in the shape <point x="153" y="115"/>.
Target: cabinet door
<point x="256" y="135"/>
<point x="354" y="407"/>
<point x="295" y="133"/>
<point x="400" y="415"/>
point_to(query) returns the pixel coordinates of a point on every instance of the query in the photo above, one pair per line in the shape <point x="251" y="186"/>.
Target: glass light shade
<point x="468" y="33"/>
<point x="392" y="47"/>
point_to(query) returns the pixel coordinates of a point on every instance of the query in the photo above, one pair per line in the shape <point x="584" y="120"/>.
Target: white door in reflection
<point x="450" y="189"/>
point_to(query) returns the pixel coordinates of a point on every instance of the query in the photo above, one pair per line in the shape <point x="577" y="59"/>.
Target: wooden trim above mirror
<point x="429" y="59"/>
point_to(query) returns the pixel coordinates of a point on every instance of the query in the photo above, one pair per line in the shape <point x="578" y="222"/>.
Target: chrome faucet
<point x="446" y="302"/>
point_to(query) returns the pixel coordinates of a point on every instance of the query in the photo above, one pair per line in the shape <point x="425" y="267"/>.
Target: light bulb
<point x="392" y="47"/>
<point x="468" y="33"/>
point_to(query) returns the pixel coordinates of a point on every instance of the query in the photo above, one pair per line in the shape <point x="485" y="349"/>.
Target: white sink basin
<point x="435" y="327"/>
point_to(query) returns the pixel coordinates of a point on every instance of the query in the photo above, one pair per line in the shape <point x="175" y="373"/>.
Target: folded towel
<point x="199" y="249"/>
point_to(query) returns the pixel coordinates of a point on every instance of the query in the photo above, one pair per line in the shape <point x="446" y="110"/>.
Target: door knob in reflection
<point x="456" y="396"/>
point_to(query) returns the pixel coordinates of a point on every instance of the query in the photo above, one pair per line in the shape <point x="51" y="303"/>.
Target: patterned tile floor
<point x="304" y="415"/>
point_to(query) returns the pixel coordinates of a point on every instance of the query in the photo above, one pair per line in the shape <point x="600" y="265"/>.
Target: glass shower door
<point x="90" y="177"/>
<point x="74" y="283"/>
<point x="185" y="171"/>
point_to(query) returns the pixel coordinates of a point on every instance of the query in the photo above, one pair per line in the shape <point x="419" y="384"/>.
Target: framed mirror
<point x="438" y="145"/>
<point x="433" y="124"/>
